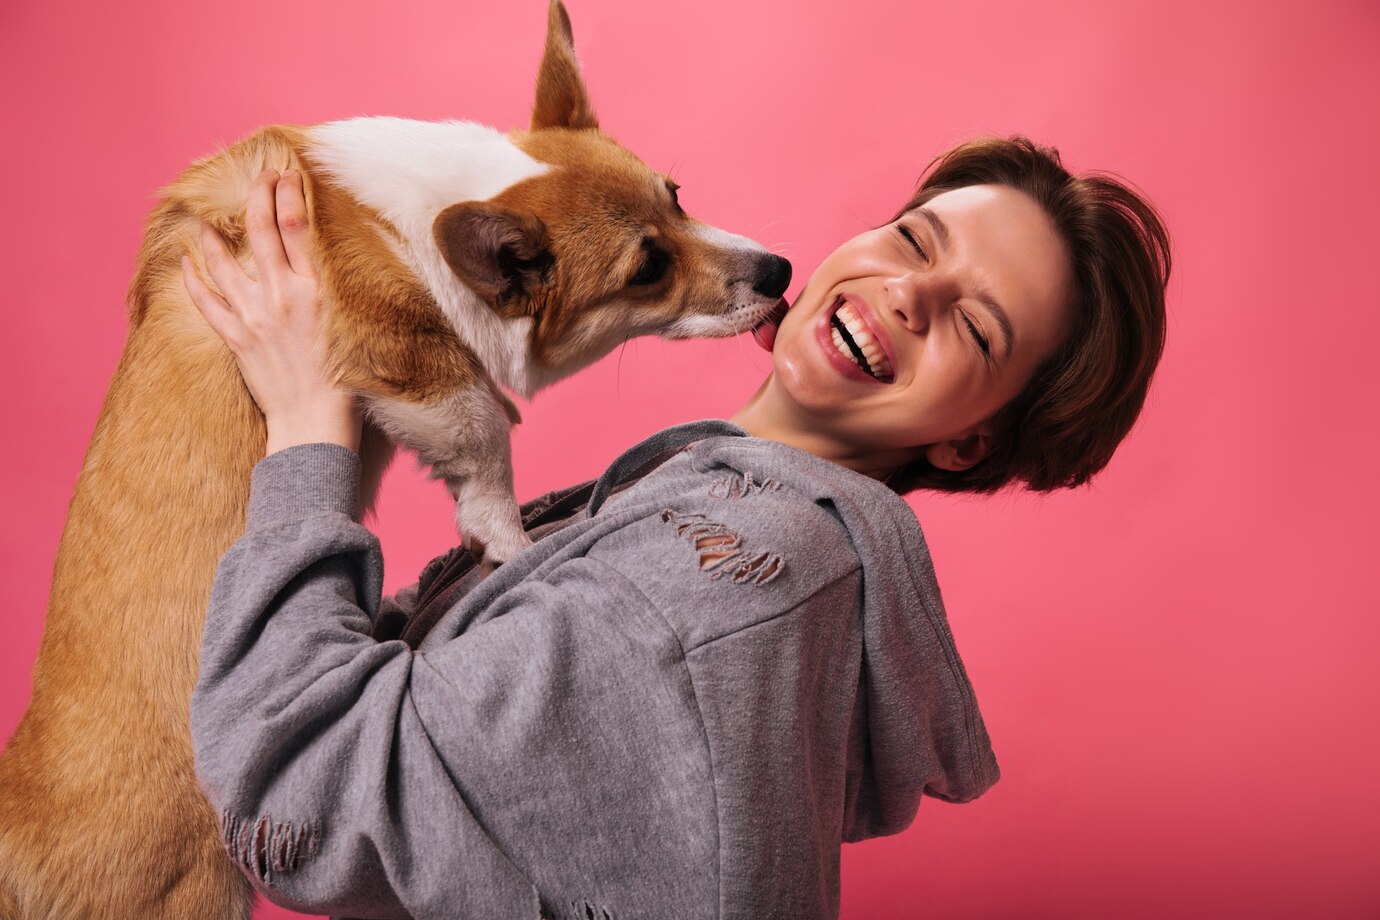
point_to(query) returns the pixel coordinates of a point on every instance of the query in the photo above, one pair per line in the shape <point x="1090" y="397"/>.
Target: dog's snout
<point x="771" y="276"/>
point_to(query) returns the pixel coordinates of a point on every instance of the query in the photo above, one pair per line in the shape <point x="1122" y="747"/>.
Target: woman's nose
<point x="907" y="297"/>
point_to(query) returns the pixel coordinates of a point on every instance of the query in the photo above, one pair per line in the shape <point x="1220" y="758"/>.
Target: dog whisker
<point x="618" y="367"/>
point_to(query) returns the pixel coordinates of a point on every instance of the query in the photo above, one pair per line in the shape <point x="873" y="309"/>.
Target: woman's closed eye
<point x="978" y="337"/>
<point x="914" y="243"/>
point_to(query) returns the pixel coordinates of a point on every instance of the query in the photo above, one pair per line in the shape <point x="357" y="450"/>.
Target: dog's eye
<point x="655" y="261"/>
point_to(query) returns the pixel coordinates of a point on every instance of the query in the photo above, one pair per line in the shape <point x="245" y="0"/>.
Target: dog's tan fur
<point x="100" y="815"/>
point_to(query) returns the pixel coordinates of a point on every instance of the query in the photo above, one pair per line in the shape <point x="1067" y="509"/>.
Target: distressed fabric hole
<point x="587" y="910"/>
<point x="263" y="847"/>
<point x="714" y="549"/>
<point x="720" y="551"/>
<point x="741" y="486"/>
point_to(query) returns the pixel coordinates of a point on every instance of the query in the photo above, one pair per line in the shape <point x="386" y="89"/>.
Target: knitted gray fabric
<point x="677" y="706"/>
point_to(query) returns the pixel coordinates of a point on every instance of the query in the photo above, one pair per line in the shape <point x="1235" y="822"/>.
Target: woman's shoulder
<point x="718" y="549"/>
<point x="777" y="495"/>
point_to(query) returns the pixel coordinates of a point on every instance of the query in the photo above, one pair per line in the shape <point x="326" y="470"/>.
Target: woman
<point x="726" y="656"/>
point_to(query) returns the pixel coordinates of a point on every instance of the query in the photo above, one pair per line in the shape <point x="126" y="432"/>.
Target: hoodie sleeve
<point x="307" y="734"/>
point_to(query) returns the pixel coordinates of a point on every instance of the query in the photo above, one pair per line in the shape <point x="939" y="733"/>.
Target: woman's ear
<point x="963" y="453"/>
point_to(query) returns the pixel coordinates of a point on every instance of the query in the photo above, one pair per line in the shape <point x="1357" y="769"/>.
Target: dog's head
<point x="596" y="249"/>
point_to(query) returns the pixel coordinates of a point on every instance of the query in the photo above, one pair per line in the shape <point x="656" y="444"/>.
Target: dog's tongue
<point x="765" y="331"/>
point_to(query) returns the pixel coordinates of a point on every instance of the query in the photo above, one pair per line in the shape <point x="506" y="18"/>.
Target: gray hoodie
<point x="677" y="706"/>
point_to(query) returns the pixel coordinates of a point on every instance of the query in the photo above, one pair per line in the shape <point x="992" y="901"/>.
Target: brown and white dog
<point x="457" y="261"/>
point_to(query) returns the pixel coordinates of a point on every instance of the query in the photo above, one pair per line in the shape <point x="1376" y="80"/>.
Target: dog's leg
<point x="463" y="438"/>
<point x="487" y="513"/>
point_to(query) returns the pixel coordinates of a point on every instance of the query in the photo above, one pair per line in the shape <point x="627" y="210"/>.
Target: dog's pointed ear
<point x="501" y="255"/>
<point x="562" y="100"/>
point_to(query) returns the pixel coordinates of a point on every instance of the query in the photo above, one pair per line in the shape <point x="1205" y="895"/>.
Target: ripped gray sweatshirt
<point x="678" y="706"/>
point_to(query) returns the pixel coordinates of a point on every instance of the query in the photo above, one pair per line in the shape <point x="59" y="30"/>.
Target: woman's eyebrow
<point x="941" y="229"/>
<point x="987" y="300"/>
<point x="980" y="294"/>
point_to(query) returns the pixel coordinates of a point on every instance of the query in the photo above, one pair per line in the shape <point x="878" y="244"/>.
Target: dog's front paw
<point x="491" y="546"/>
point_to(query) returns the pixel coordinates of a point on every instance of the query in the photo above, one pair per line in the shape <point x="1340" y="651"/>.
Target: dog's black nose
<point x="773" y="275"/>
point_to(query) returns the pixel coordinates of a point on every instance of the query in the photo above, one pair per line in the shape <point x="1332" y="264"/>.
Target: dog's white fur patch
<point x="409" y="171"/>
<point x="748" y="309"/>
<point x="464" y="439"/>
<point x="729" y="241"/>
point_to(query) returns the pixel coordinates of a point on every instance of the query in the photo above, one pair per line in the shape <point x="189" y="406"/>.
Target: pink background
<point x="1177" y="664"/>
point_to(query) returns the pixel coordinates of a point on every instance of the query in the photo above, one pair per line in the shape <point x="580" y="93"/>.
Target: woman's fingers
<point x="213" y="307"/>
<point x="281" y="305"/>
<point x="221" y="264"/>
<point x="294" y="224"/>
<point x="261" y="225"/>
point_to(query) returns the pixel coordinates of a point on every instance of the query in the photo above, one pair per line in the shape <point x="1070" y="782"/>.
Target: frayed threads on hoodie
<point x="262" y="847"/>
<point x="720" y="550"/>
<point x="742" y="485"/>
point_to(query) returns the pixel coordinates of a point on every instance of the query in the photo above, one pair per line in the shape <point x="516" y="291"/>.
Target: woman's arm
<point x="301" y="721"/>
<point x="306" y="731"/>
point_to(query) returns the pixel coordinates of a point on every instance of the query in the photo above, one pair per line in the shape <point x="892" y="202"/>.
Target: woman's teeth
<point x="847" y="323"/>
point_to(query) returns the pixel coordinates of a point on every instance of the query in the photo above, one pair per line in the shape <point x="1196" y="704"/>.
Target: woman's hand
<point x="273" y="325"/>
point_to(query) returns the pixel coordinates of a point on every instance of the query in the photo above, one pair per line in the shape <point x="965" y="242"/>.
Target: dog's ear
<point x="502" y="255"/>
<point x="562" y="100"/>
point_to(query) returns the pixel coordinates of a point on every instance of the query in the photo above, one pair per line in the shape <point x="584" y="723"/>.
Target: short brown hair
<point x="1082" y="401"/>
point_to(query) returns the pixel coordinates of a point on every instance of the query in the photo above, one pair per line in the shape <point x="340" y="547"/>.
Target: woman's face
<point x="952" y="307"/>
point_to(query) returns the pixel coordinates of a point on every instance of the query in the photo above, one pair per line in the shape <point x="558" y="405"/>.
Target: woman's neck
<point x="767" y="415"/>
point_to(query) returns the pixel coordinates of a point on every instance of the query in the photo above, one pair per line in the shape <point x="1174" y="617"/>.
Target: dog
<point x="457" y="263"/>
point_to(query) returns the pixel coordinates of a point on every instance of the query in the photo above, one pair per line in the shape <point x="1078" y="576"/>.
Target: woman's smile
<point x="855" y="341"/>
